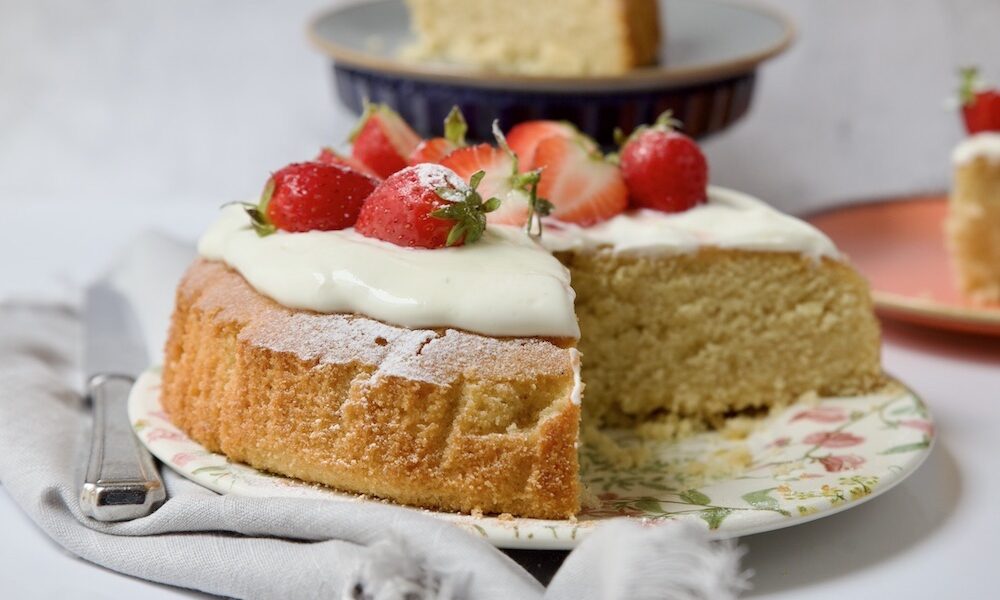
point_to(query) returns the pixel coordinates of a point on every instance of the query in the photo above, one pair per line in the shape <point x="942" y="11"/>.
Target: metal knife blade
<point x="121" y="481"/>
<point x="113" y="340"/>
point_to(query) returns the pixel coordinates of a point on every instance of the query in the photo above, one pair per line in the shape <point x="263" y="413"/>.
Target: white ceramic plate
<point x="812" y="460"/>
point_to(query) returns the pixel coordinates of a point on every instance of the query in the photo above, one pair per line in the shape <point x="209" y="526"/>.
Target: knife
<point x="121" y="481"/>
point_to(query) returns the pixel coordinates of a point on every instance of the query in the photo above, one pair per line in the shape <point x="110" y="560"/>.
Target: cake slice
<point x="557" y="37"/>
<point x="729" y="308"/>
<point x="973" y="223"/>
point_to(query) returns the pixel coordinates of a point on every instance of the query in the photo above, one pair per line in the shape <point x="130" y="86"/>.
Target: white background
<point x="119" y="115"/>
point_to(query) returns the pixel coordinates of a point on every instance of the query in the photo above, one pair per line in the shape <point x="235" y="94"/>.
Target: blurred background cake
<point x="565" y="37"/>
<point x="973" y="223"/>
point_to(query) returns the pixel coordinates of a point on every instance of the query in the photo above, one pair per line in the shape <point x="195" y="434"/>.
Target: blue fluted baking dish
<point x="706" y="73"/>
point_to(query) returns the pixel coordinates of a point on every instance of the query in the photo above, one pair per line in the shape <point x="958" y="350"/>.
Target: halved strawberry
<point x="583" y="187"/>
<point x="499" y="167"/>
<point x="525" y="137"/>
<point x="383" y="140"/>
<point x="329" y="156"/>
<point x="432" y="151"/>
<point x="435" y="149"/>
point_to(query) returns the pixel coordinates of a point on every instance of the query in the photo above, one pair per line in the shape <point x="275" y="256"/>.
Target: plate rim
<point x="508" y="536"/>
<point x="642" y="78"/>
<point x="923" y="311"/>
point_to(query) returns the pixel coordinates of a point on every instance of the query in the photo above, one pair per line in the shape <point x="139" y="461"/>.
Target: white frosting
<point x="504" y="284"/>
<point x="982" y="145"/>
<point x="729" y="219"/>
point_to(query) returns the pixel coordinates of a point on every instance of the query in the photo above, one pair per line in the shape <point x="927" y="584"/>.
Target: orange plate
<point x="898" y="244"/>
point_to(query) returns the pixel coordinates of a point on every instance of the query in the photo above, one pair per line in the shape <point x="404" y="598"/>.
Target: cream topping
<point x="729" y="219"/>
<point x="982" y="145"/>
<point x="504" y="284"/>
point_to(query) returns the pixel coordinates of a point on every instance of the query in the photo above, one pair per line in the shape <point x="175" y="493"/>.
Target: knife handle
<point x="121" y="482"/>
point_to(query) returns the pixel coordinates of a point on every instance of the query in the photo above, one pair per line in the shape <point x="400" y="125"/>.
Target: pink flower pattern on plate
<point x="833" y="439"/>
<point x="182" y="458"/>
<point x="920" y="424"/>
<point x="821" y="414"/>
<point x="841" y="462"/>
<point x="165" y="434"/>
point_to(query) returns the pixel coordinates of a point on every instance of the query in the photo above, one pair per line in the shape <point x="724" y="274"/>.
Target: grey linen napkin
<point x="286" y="548"/>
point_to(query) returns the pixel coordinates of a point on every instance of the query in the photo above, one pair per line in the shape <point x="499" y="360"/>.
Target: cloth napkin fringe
<point x="625" y="560"/>
<point x="390" y="570"/>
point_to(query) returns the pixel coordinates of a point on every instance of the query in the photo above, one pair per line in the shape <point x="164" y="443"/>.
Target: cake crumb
<point x="505" y="517"/>
<point x="477" y="513"/>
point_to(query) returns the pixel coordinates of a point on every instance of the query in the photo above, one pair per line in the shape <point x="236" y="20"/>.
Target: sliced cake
<point x="416" y="338"/>
<point x="557" y="37"/>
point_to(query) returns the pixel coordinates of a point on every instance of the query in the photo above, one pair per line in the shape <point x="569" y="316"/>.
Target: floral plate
<point x="813" y="459"/>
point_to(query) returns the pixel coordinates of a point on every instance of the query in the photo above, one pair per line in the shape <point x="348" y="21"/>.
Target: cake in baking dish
<point x="429" y="348"/>
<point x="562" y="38"/>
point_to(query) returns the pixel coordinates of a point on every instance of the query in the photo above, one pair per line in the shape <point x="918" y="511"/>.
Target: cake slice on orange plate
<point x="973" y="223"/>
<point x="422" y="345"/>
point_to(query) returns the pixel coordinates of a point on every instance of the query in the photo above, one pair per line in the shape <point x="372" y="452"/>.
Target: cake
<point x="730" y="307"/>
<point x="973" y="222"/>
<point x="398" y="358"/>
<point x="972" y="227"/>
<point x="563" y="38"/>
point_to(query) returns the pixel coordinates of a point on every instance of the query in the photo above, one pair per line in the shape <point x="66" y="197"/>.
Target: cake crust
<point x="436" y="418"/>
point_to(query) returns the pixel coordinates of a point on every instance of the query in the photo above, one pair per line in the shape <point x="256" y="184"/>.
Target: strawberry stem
<point x="502" y="142"/>
<point x="970" y="81"/>
<point x="455" y="126"/>
<point x="258" y="213"/>
<point x="467" y="209"/>
<point x="537" y="207"/>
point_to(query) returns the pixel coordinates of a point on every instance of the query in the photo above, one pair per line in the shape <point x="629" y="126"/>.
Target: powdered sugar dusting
<point x="426" y="355"/>
<point x="436" y="176"/>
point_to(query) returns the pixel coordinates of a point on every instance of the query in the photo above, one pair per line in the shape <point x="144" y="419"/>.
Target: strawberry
<point x="383" y="140"/>
<point x="663" y="169"/>
<point x="499" y="167"/>
<point x="435" y="149"/>
<point x="582" y="186"/>
<point x="426" y="206"/>
<point x="329" y="156"/>
<point x="525" y="137"/>
<point x="310" y="196"/>
<point x="980" y="107"/>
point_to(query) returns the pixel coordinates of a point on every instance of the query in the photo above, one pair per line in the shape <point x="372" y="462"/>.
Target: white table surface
<point x="119" y="115"/>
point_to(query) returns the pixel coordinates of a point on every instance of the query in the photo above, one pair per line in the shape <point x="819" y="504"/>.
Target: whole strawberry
<point x="663" y="169"/>
<point x="980" y="107"/>
<point x="434" y="150"/>
<point x="425" y="206"/>
<point x="382" y="140"/>
<point x="310" y="196"/>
